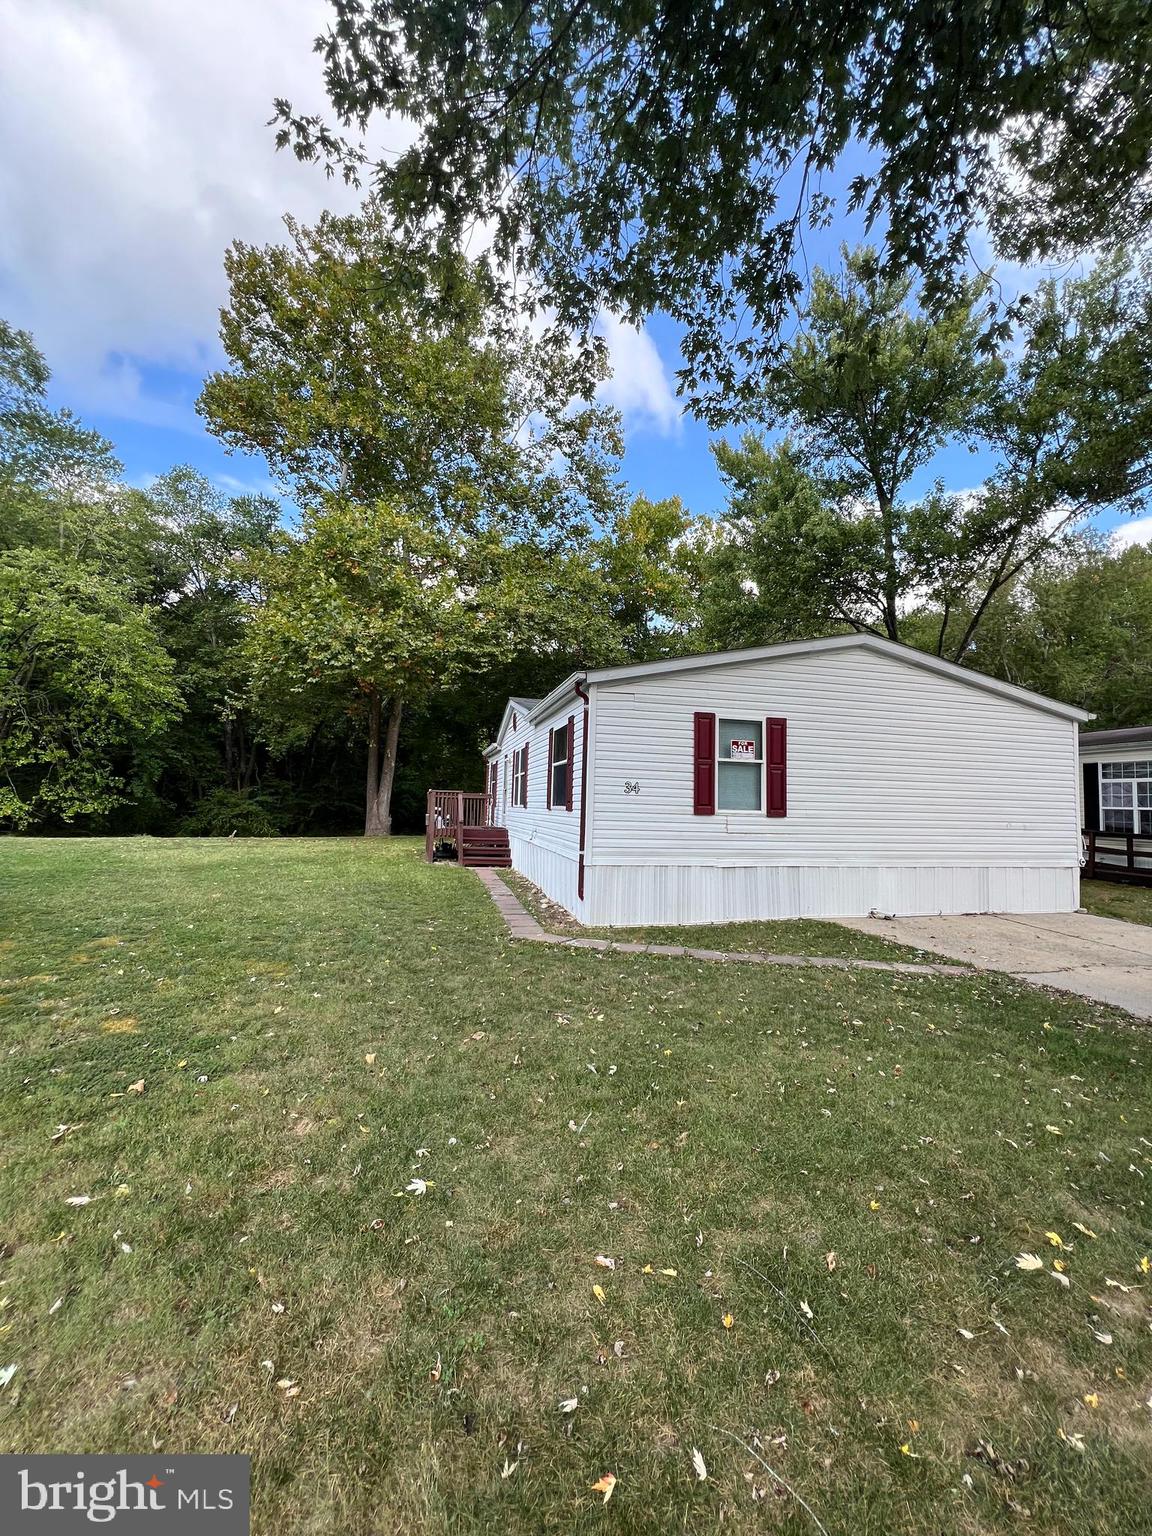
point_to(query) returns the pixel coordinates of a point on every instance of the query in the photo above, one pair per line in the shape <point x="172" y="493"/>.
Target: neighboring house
<point x="824" y="778"/>
<point x="1116" y="769"/>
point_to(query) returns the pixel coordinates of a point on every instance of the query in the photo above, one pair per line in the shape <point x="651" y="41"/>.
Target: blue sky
<point x="137" y="148"/>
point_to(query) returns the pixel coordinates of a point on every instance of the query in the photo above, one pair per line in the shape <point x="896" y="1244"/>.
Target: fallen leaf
<point x="1101" y="1338"/>
<point x="1061" y="1279"/>
<point x="416" y="1187"/>
<point x="604" y="1261"/>
<point x="830" y="1259"/>
<point x="1080" y="1227"/>
<point x="507" y="1469"/>
<point x="569" y="1404"/>
<point x="6" y="1374"/>
<point x="1055" y="1239"/>
<point x="807" y="1311"/>
<point x="1055" y="1130"/>
<point x="1092" y="1399"/>
<point x="965" y="1334"/>
<point x="437" y="1370"/>
<point x="370" y="1059"/>
<point x="873" y="1205"/>
<point x="136" y="1087"/>
<point x="727" y="1319"/>
<point x="78" y="1200"/>
<point x="605" y="1485"/>
<point x="698" y="1466"/>
<point x="1074" y="1441"/>
<point x="598" y="1292"/>
<point x="906" y="1450"/>
<point x="1029" y="1261"/>
<point x="1145" y="1265"/>
<point x="670" y="1272"/>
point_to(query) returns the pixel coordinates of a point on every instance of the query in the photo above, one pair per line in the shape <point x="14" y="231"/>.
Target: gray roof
<point x="1124" y="736"/>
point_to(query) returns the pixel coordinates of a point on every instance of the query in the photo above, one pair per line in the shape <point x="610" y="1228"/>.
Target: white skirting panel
<point x="621" y="895"/>
<point x="555" y="873"/>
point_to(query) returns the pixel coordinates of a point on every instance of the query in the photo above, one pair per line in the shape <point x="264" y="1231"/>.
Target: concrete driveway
<point x="1096" y="957"/>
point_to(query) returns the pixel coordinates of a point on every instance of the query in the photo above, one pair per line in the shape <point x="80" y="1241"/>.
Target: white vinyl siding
<point x="891" y="768"/>
<point x="544" y="843"/>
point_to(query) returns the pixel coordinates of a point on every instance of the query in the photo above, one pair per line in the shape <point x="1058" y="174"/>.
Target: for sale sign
<point x="741" y="748"/>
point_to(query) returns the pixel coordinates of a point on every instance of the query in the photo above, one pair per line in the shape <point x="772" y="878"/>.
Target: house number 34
<point x="631" y="786"/>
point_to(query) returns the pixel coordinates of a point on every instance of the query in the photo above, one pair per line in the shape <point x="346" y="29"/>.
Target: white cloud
<point x="136" y="148"/>
<point x="1138" y="531"/>
<point x="639" y="386"/>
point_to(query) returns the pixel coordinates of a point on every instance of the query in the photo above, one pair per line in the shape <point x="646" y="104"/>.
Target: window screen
<point x="740" y="765"/>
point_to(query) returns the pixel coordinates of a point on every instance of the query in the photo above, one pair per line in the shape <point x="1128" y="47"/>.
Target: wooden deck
<point x="1118" y="856"/>
<point x="463" y="823"/>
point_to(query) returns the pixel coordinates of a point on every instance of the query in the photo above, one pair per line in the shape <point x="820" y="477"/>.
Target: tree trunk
<point x="381" y="766"/>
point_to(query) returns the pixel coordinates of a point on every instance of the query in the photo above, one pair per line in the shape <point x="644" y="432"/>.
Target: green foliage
<point x="237" y="813"/>
<point x="369" y="368"/>
<point x="1080" y="629"/>
<point x="824" y="529"/>
<point x="651" y="563"/>
<point x="669" y="156"/>
<point x="365" y="603"/>
<point x="84" y="680"/>
<point x="445" y="460"/>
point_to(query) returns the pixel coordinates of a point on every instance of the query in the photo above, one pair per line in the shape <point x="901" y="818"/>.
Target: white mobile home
<point x="824" y="778"/>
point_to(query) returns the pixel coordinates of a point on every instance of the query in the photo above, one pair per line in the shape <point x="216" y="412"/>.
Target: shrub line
<point x="522" y="925"/>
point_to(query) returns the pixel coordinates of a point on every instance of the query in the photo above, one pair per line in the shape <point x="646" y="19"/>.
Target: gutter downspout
<point x="579" y="686"/>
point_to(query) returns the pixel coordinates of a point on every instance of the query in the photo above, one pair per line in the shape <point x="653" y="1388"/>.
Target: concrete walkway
<point x="1097" y="957"/>
<point x="522" y="925"/>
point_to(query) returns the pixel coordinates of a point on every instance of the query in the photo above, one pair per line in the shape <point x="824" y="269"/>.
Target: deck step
<point x="485" y="848"/>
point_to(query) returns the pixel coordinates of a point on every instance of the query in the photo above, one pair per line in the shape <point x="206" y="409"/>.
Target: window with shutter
<point x="560" y="789"/>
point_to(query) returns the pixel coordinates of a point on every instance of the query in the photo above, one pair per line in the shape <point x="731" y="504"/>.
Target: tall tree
<point x="1079" y="627"/>
<point x="85" y="683"/>
<point x="201" y="581"/>
<point x="57" y="477"/>
<point x="401" y="403"/>
<point x="825" y="530"/>
<point x="670" y="156"/>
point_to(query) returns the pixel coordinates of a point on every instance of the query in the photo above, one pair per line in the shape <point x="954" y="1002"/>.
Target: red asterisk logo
<point x="155" y="1482"/>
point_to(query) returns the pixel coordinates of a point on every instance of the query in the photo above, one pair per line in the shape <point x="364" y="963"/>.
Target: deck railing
<point x="1118" y="856"/>
<point x="451" y="809"/>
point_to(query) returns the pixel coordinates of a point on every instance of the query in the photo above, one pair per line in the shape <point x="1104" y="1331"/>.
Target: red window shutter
<point x="571" y="761"/>
<point x="551" y="735"/>
<point x="704" y="764"/>
<point x="524" y="775"/>
<point x="776" y="765"/>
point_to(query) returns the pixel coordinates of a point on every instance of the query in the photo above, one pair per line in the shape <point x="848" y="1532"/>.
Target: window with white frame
<point x="1126" y="797"/>
<point x="561" y="747"/>
<point x="740" y="765"/>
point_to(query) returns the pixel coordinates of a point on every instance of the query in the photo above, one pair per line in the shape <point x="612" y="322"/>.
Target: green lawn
<point x="1111" y="898"/>
<point x="779" y="936"/>
<point x="313" y="1025"/>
